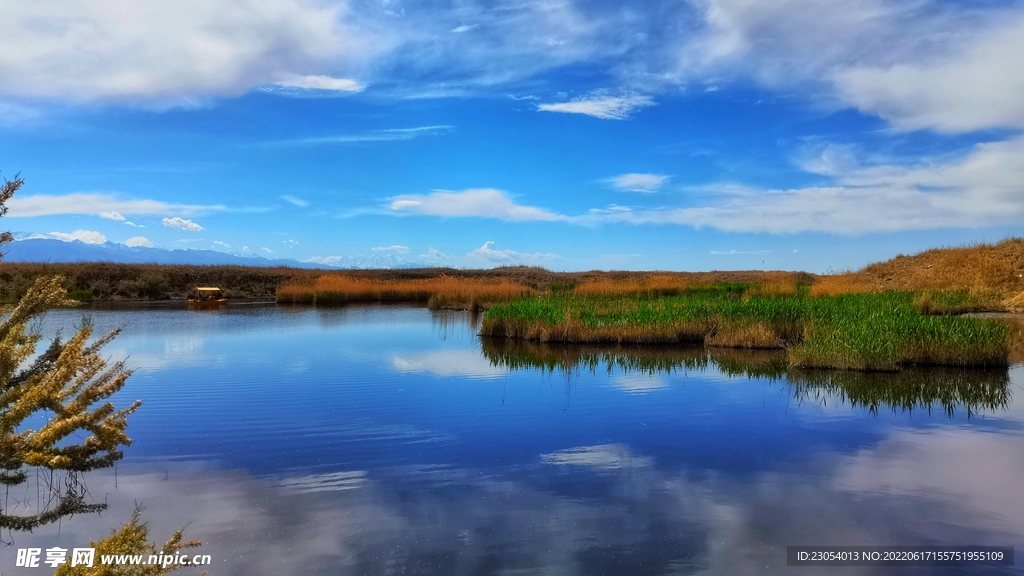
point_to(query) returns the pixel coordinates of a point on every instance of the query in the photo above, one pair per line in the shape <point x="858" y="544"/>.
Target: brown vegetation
<point x="988" y="271"/>
<point x="114" y="281"/>
<point x="441" y="292"/>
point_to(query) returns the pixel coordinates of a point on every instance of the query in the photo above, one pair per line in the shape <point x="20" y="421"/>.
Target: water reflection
<point x="913" y="388"/>
<point x="392" y="440"/>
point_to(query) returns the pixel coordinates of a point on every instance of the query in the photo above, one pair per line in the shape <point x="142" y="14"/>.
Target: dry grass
<point x="116" y="281"/>
<point x="441" y="292"/>
<point x="846" y="283"/>
<point x="985" y="270"/>
<point x="1016" y="340"/>
<point x="777" y="288"/>
<point x="1015" y="303"/>
<point x="661" y="284"/>
<point x="745" y="335"/>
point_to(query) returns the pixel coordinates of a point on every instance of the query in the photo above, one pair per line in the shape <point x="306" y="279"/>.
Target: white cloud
<point x="97" y="205"/>
<point x="296" y="201"/>
<point x="510" y="256"/>
<point x="267" y="250"/>
<point x="386" y="135"/>
<point x="325" y="259"/>
<point x="638" y="182"/>
<point x="132" y="224"/>
<point x="484" y="203"/>
<point x="182" y="224"/>
<point x="173" y="52"/>
<point x="912" y="64"/>
<point x="737" y="252"/>
<point x="112" y="216"/>
<point x="138" y="241"/>
<point x="984" y="187"/>
<point x="433" y="254"/>
<point x="396" y="249"/>
<point x="221" y="244"/>
<point x="84" y="236"/>
<point x="314" y="82"/>
<point x="17" y="115"/>
<point x="601" y="106"/>
<point x="979" y="88"/>
<point x="463" y="28"/>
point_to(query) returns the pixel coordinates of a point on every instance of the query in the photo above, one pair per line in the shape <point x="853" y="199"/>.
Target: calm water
<point x="391" y="440"/>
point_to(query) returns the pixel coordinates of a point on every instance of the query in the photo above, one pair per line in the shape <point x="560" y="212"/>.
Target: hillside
<point x="995" y="270"/>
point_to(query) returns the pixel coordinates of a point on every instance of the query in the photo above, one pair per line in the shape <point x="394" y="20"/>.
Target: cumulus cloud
<point x="174" y="52"/>
<point x="221" y="244"/>
<point x="84" y="236"/>
<point x="638" y="182"/>
<point x="314" y="82"/>
<point x="296" y="201"/>
<point x="138" y="241"/>
<point x="396" y="249"/>
<point x="182" y="224"/>
<point x="267" y="250"/>
<point x="483" y="203"/>
<point x="600" y="106"/>
<point x="98" y="205"/>
<point x="507" y="256"/>
<point x="112" y="216"/>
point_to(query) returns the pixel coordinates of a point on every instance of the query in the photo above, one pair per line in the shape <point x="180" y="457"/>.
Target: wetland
<point x="376" y="439"/>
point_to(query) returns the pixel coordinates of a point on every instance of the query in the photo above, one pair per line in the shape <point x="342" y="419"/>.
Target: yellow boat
<point x="204" y="297"/>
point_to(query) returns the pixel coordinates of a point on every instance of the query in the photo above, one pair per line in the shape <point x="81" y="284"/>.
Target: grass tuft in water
<point x="851" y="331"/>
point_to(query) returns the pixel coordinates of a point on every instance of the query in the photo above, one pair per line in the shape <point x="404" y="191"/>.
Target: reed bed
<point x="661" y="284"/>
<point x="439" y="292"/>
<point x="851" y="331"/>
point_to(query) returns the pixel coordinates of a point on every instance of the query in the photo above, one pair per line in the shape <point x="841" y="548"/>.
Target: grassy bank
<point x="853" y="331"/>
<point x="991" y="275"/>
<point x="113" y="281"/>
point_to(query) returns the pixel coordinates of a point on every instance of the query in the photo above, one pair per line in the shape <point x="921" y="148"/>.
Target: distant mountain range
<point x="59" y="251"/>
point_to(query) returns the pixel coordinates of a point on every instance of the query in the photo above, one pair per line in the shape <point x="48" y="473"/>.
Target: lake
<point x="393" y="440"/>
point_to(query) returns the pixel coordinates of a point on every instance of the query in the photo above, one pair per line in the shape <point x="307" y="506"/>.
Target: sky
<point x="816" y="135"/>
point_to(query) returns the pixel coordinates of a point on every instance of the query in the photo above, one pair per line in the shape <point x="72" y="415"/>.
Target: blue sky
<point x="683" y="135"/>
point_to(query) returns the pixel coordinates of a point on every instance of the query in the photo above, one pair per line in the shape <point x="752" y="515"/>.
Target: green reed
<point x="854" y="331"/>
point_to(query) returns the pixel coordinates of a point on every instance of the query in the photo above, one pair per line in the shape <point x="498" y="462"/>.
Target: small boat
<point x="205" y="297"/>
